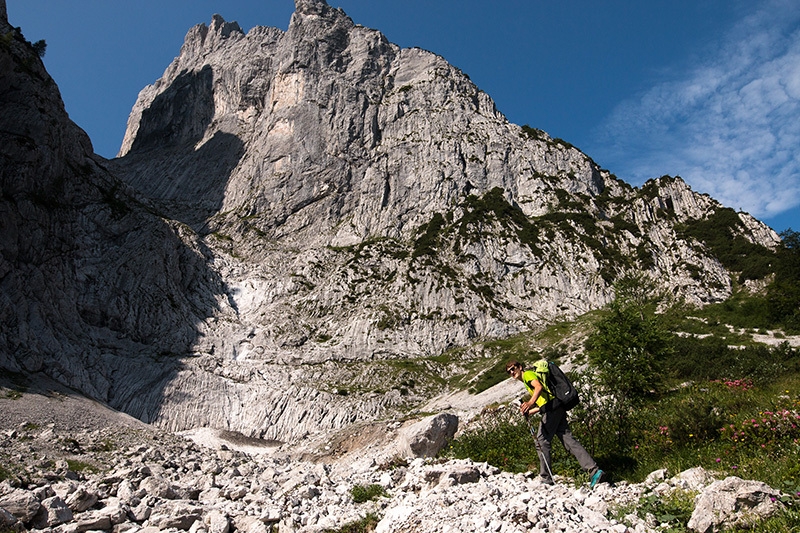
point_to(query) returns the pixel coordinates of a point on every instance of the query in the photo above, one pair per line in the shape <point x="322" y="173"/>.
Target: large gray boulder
<point x="428" y="436"/>
<point x="53" y="512"/>
<point x="733" y="502"/>
<point x="24" y="505"/>
<point x="9" y="522"/>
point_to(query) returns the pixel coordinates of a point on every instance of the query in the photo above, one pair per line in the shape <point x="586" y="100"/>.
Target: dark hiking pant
<point x="554" y="424"/>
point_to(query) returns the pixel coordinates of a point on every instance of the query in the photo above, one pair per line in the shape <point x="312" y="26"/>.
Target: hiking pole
<point x="536" y="442"/>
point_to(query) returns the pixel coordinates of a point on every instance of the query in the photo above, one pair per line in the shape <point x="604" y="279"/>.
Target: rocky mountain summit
<point x="299" y="224"/>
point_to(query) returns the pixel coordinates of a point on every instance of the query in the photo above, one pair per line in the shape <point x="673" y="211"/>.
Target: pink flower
<point x="718" y="459"/>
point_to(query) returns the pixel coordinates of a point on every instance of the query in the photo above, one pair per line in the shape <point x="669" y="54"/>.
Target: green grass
<point x="786" y="522"/>
<point x="5" y="473"/>
<point x="81" y="466"/>
<point x="500" y="439"/>
<point x="733" y="427"/>
<point x="361" y="493"/>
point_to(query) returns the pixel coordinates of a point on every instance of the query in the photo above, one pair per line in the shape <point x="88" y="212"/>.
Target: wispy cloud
<point x="729" y="125"/>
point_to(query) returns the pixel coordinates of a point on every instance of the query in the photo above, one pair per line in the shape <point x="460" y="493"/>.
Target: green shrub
<point x="492" y="206"/>
<point x="774" y="432"/>
<point x="783" y="295"/>
<point x="40" y="47"/>
<point x="427" y="242"/>
<point x="695" y="416"/>
<point x="533" y="133"/>
<point x="713" y="358"/>
<point x="362" y="494"/>
<point x="80" y="466"/>
<point x="629" y="348"/>
<point x="719" y="232"/>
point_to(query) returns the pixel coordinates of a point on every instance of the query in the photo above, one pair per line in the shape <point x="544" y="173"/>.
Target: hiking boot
<point x="597" y="478"/>
<point x="546" y="480"/>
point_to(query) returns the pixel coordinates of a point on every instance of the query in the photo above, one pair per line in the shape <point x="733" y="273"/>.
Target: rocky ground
<point x="71" y="465"/>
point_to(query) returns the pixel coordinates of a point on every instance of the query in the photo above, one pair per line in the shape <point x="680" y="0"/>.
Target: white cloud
<point x="730" y="125"/>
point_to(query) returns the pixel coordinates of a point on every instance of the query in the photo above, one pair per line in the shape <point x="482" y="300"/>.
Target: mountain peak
<point x="311" y="7"/>
<point x="223" y="29"/>
<point x="202" y="38"/>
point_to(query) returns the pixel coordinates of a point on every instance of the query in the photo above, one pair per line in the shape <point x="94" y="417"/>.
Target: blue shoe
<point x="597" y="478"/>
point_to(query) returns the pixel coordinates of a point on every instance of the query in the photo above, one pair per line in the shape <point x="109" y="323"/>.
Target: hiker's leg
<point x="576" y="449"/>
<point x="544" y="439"/>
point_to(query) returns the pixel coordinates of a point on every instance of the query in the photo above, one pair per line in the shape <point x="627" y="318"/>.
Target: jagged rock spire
<point x="3" y="12"/>
<point x="311" y="7"/>
<point x="206" y="38"/>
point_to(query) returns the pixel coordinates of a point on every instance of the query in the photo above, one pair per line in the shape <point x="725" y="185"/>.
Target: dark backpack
<point x="564" y="393"/>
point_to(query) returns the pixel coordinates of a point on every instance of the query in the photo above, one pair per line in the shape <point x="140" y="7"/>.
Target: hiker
<point x="554" y="422"/>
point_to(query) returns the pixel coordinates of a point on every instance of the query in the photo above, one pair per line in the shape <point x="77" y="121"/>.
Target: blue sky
<point x="705" y="89"/>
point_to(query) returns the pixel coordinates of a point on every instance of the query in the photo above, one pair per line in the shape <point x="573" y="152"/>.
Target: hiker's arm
<point x="530" y="405"/>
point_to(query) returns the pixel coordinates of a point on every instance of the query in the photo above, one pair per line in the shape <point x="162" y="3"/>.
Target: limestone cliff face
<point x="93" y="286"/>
<point x="303" y="212"/>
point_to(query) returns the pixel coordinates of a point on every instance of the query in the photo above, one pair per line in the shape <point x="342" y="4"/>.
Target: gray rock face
<point x="734" y="502"/>
<point x="53" y="512"/>
<point x="427" y="437"/>
<point x="363" y="201"/>
<point x="23" y="505"/>
<point x="292" y="213"/>
<point x="94" y="286"/>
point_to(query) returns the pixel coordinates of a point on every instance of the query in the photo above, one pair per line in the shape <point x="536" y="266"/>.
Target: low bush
<point x="361" y="494"/>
